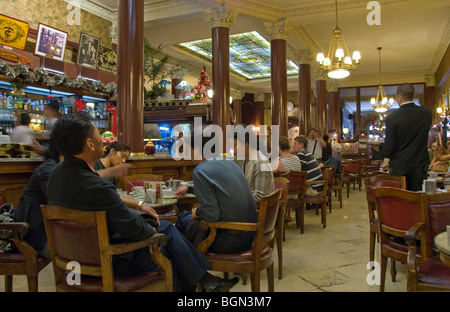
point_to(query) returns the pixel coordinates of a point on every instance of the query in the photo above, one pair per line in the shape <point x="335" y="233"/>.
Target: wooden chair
<point x="398" y="210"/>
<point x="297" y="188"/>
<point x="82" y="236"/>
<point x="355" y="173"/>
<point x="260" y="256"/>
<point x="431" y="274"/>
<point x="168" y="213"/>
<point x="370" y="183"/>
<point x="24" y="261"/>
<point x="283" y="184"/>
<point x="322" y="197"/>
<point x="139" y="179"/>
<point x="330" y="183"/>
<point x="345" y="178"/>
<point x="337" y="186"/>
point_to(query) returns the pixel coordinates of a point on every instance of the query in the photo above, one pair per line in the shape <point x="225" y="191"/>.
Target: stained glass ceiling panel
<point x="249" y="54"/>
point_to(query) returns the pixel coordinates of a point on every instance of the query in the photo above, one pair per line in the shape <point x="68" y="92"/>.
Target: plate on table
<point x="169" y="196"/>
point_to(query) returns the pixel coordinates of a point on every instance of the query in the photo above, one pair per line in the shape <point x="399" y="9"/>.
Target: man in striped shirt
<point x="309" y="163"/>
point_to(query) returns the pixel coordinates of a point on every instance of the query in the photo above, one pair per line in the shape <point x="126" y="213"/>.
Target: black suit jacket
<point x="407" y="136"/>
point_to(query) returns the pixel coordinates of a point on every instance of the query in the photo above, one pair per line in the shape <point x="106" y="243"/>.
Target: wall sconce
<point x="345" y="130"/>
<point x="439" y="110"/>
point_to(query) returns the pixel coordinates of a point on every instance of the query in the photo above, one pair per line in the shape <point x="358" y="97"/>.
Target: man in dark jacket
<point x="406" y="139"/>
<point x="75" y="184"/>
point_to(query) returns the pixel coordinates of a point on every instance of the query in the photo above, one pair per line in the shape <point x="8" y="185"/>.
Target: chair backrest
<point x="398" y="210"/>
<point x="139" y="180"/>
<point x="267" y="218"/>
<point x="354" y="167"/>
<point x="3" y="199"/>
<point x="297" y="182"/>
<point x="383" y="180"/>
<point x="82" y="236"/>
<point x="436" y="209"/>
<point x="328" y="176"/>
<point x="283" y="184"/>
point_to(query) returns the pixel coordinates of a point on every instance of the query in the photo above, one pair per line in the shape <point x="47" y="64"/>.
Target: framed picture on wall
<point x="107" y="60"/>
<point x="88" y="50"/>
<point x="50" y="42"/>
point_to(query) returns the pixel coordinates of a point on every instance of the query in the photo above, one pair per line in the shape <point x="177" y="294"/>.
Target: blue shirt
<point x="223" y="192"/>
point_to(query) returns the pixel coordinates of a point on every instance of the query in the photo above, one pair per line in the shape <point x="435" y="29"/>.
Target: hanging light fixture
<point x="381" y="102"/>
<point x="338" y="62"/>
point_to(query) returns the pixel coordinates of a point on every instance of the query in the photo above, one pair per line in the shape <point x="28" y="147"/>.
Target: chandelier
<point x="338" y="62"/>
<point x="385" y="104"/>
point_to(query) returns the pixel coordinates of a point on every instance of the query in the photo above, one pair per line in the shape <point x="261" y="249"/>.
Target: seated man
<point x="336" y="159"/>
<point x="74" y="183"/>
<point x="257" y="168"/>
<point x="34" y="194"/>
<point x="223" y="194"/>
<point x="309" y="163"/>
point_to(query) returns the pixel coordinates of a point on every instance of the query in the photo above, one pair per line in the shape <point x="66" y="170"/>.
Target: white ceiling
<point x="414" y="34"/>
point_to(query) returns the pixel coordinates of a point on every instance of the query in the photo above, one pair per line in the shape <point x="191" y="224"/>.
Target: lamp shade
<point x="151" y="132"/>
<point x="183" y="85"/>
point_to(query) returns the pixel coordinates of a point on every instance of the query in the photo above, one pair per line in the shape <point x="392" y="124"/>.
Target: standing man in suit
<point x="406" y="139"/>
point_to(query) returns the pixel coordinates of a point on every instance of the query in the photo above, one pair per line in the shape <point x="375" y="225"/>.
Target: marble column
<point x="304" y="59"/>
<point x="321" y="101"/>
<point x="220" y="20"/>
<point x="278" y="33"/>
<point x="130" y="76"/>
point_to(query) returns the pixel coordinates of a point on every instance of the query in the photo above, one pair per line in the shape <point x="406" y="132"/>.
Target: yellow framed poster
<point x="13" y="32"/>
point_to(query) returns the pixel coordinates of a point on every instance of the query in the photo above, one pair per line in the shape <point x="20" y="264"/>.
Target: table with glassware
<point x="442" y="243"/>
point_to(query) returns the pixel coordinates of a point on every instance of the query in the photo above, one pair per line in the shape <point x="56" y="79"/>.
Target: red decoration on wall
<point x="79" y="104"/>
<point x="113" y="111"/>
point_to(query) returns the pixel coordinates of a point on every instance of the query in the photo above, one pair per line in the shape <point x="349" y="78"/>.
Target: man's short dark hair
<point x="302" y="139"/>
<point x="70" y="132"/>
<point x="54" y="104"/>
<point x="25" y="119"/>
<point x="406" y="90"/>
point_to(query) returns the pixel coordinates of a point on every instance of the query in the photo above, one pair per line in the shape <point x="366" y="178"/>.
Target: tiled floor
<point x="320" y="260"/>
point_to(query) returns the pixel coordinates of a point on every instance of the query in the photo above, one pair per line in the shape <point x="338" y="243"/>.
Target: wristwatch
<point x="139" y="206"/>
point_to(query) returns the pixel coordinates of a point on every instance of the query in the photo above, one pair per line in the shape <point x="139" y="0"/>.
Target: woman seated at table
<point x="441" y="160"/>
<point x="288" y="162"/>
<point x="112" y="167"/>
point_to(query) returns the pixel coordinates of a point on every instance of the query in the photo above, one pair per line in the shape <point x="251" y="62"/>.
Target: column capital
<point x="332" y="86"/>
<point x="260" y="97"/>
<point x="277" y="30"/>
<point x="303" y="56"/>
<point x="236" y="94"/>
<point x="319" y="74"/>
<point x="220" y="16"/>
<point x="430" y="81"/>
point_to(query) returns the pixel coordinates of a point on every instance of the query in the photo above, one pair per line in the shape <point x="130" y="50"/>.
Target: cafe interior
<point x="158" y="67"/>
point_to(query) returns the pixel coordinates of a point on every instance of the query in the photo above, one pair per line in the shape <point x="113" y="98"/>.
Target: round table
<point x="442" y="244"/>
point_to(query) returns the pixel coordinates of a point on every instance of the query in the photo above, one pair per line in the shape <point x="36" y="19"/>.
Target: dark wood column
<point x="130" y="76"/>
<point x="176" y="92"/>
<point x="220" y="19"/>
<point x="304" y="87"/>
<point x="334" y="109"/>
<point x="278" y="33"/>
<point x="321" y="102"/>
<point x="358" y="111"/>
<point x="237" y="107"/>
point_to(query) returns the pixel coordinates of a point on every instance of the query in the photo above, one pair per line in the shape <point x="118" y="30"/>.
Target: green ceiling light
<point x="249" y="54"/>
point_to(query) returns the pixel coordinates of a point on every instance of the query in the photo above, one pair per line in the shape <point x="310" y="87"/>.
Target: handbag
<point x="6" y="216"/>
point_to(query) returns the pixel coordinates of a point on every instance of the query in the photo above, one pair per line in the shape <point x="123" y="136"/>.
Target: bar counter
<point x="15" y="172"/>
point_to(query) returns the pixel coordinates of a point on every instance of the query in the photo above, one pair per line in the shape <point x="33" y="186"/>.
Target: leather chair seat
<point x="242" y="256"/>
<point x="12" y="257"/>
<point x="122" y="284"/>
<point x="433" y="271"/>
